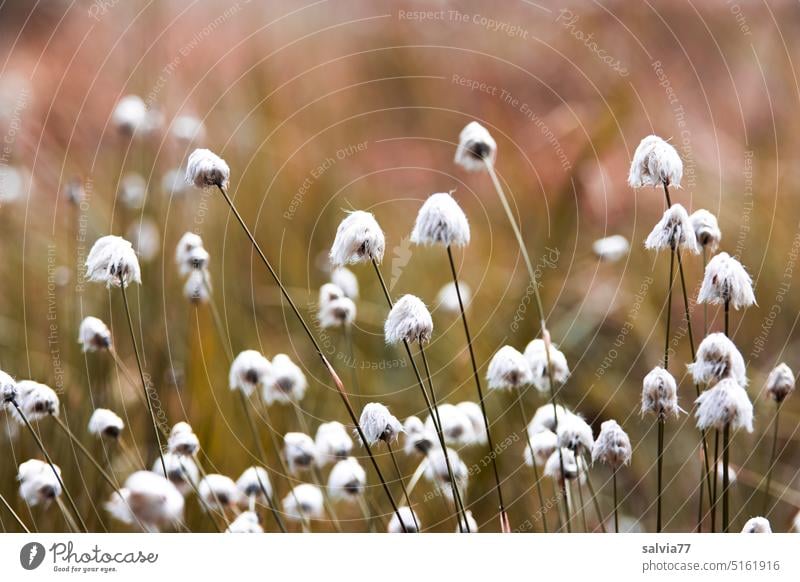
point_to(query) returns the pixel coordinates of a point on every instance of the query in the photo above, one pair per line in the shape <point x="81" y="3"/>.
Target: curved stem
<point x="14" y="513"/>
<point x="525" y="423"/>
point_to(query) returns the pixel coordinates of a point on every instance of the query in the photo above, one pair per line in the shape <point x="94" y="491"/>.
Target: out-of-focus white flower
<point x="254" y="483"/>
<point x="249" y="370"/>
<point x="303" y="502"/>
<point x="536" y="354"/>
<point x="726" y="403"/>
<point x="190" y="254"/>
<point x="706" y="229"/>
<point x="406" y="523"/>
<point x="149" y="499"/>
<point x="418" y="438"/>
<point x="146" y="239"/>
<point x="542" y="444"/>
<point x="94" y="335"/>
<point x="447" y="298"/>
<point x="287" y="383"/>
<point x="545" y="418"/>
<point x="359" y="239"/>
<point x="468" y="523"/>
<point x="757" y="525"/>
<point x="337" y="313"/>
<point x="104" y="422"/>
<point x="246" y="522"/>
<point x="378" y="424"/>
<point x="74" y="192"/>
<point x="218" y="491"/>
<point x="474" y="414"/>
<point x="188" y="128"/>
<point x="441" y="221"/>
<point x="8" y="389"/>
<point x="347" y="479"/>
<point x="673" y="231"/>
<point x="660" y="394"/>
<point x="655" y="163"/>
<point x="197" y="288"/>
<point x="575" y="434"/>
<point x="346" y="280"/>
<point x="611" y="248"/>
<point x="173" y="182"/>
<point x="408" y="320"/>
<point x="732" y="475"/>
<point x="476" y="147"/>
<point x="726" y="280"/>
<point x="205" y="168"/>
<point x="299" y="450"/>
<point x="133" y="190"/>
<point x="182" y="440"/>
<point x="111" y="260"/>
<point x="509" y="369"/>
<point x="13" y="184"/>
<point x="37" y="401"/>
<point x="456" y="425"/>
<point x="182" y="471"/>
<point x="718" y="357"/>
<point x="332" y="442"/>
<point x="613" y="446"/>
<point x="780" y="383"/>
<point x="130" y="114"/>
<point x="573" y="466"/>
<point x="38" y="483"/>
<point x="437" y="472"/>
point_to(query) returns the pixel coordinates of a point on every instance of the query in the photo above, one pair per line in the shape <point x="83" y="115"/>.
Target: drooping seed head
<point x="147" y="498"/>
<point x="333" y="442"/>
<point x="780" y="383"/>
<point x="542" y="444"/>
<point x="476" y="148"/>
<point x="613" y="446"/>
<point x="254" y="483"/>
<point x="418" y="439"/>
<point x="472" y="411"/>
<point x="706" y="229"/>
<point x="300" y="451"/>
<point x="673" y="231"/>
<point x="437" y="473"/>
<point x="509" y="370"/>
<point x="660" y="394"/>
<point x="359" y="239"/>
<point x="38" y="483"/>
<point x="456" y="426"/>
<point x="37" y="401"/>
<point x="726" y="403"/>
<point x="130" y="114"/>
<point x="182" y="471"/>
<point x="113" y="261"/>
<point x="441" y="221"/>
<point x="218" y="491"/>
<point x="378" y="424"/>
<point x="536" y="354"/>
<point x="347" y="479"/>
<point x="718" y="357"/>
<point x="305" y="501"/>
<point x="105" y="423"/>
<point x="182" y="440"/>
<point x="546" y="418"/>
<point x="408" y="320"/>
<point x="655" y="163"/>
<point x="287" y="382"/>
<point x="346" y="280"/>
<point x="726" y="280"/>
<point x="249" y="370"/>
<point x="406" y="523"/>
<point x="575" y="434"/>
<point x="205" y="168"/>
<point x="94" y="335"/>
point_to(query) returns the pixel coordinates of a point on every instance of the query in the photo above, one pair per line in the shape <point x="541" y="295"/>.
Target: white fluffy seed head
<point x="575" y="434"/>
<point x="245" y="523"/>
<point x="476" y="148"/>
<point x="205" y="168"/>
<point x="673" y="231"/>
<point x="542" y="445"/>
<point x="287" y="382"/>
<point x="197" y="288"/>
<point x="338" y="312"/>
<point x="447" y="298"/>
<point x="406" y="523"/>
<point x="718" y="357"/>
<point x="249" y="370"/>
<point x="757" y="525"/>
<point x="130" y="114"/>
<point x="573" y="467"/>
<point x="473" y="413"/>
<point x="726" y="280"/>
<point x="613" y="446"/>
<point x="133" y="190"/>
<point x="182" y="471"/>
<point x="105" y="423"/>
<point x="655" y="163"/>
<point x="706" y="229"/>
<point x="303" y="502"/>
<point x="545" y="418"/>
<point x="329" y="292"/>
<point x="359" y="239"/>
<point x="780" y="383"/>
<point x="37" y="482"/>
<point x="456" y="426"/>
<point x="218" y="491"/>
<point x="182" y="440"/>
<point x="37" y="401"/>
<point x="611" y="248"/>
<point x="509" y="369"/>
<point x="333" y="442"/>
<point x="8" y="390"/>
<point x="94" y="335"/>
<point x="300" y="451"/>
<point x="113" y="261"/>
<point x="436" y="471"/>
<point x="148" y="498"/>
<point x="660" y="394"/>
<point x="347" y="479"/>
<point x="418" y="439"/>
<point x="469" y="522"/>
<point x="536" y="354"/>
<point x="726" y="403"/>
<point x="346" y="280"/>
<point x="254" y="483"/>
<point x="379" y="424"/>
<point x="186" y="246"/>
<point x="187" y="128"/>
<point x="408" y="320"/>
<point x="441" y="221"/>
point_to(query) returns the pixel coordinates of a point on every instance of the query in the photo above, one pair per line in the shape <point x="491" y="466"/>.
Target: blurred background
<point x="322" y="107"/>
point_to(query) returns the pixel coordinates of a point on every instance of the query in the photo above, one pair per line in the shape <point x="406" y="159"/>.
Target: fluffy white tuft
<point x="408" y="320"/>
<point x="333" y="442"/>
<point x="379" y="424"/>
<point x="346" y="280"/>
<point x="112" y="258"/>
<point x="218" y="491"/>
<point x="726" y="403"/>
<point x="147" y="498"/>
<point x="245" y="522"/>
<point x="38" y="483"/>
<point x="613" y="446"/>
<point x="447" y="298"/>
<point x="104" y="422"/>
<point x="130" y="114"/>
<point x="542" y="445"/>
<point x="476" y="147"/>
<point x="182" y="471"/>
<point x="706" y="229"/>
<point x="456" y="426"/>
<point x="780" y="383"/>
<point x="418" y="438"/>
<point x="726" y="280"/>
<point x="673" y="231"/>
<point x="300" y="451"/>
<point x="441" y="221"/>
<point x="35" y="400"/>
<point x="757" y="525"/>
<point x="303" y="502"/>
<point x="655" y="163"/>
<point x="473" y="412"/>
<point x="509" y="369"/>
<point x="182" y="440"/>
<point x="94" y="335"/>
<point x="406" y="523"/>
<point x="611" y="248"/>
<point x="359" y="239"/>
<point x="545" y="418"/>
<point x="287" y="382"/>
<point x="249" y="370"/>
<point x="660" y="394"/>
<point x="536" y="354"/>
<point x="254" y="483"/>
<point x="347" y="479"/>
<point x="205" y="168"/>
<point x="718" y="357"/>
<point x="575" y="434"/>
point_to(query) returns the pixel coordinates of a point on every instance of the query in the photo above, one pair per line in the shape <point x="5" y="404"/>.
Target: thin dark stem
<point x="660" y="471"/>
<point x="334" y="376"/>
<point x="14" y="513"/>
<point x="727" y="317"/>
<point x="600" y="519"/>
<point x="403" y="487"/>
<point x="726" y="435"/>
<point x="206" y="508"/>
<point x="772" y="457"/>
<point x="476" y="376"/>
<point x="577" y="484"/>
<point x="351" y="352"/>
<point x="141" y="373"/>
<point x="215" y="315"/>
<point x="525" y="422"/>
<point x="49" y="460"/>
<point x="714" y="485"/>
<point x="669" y="307"/>
<point x="103" y="473"/>
<point x="616" y="503"/>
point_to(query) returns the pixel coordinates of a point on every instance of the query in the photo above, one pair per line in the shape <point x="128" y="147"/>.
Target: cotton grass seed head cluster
<point x="182" y="440"/>
<point x="613" y="446"/>
<point x="726" y="403"/>
<point x="94" y="335"/>
<point x="286" y="381"/>
<point x="726" y="281"/>
<point x="249" y="371"/>
<point x="536" y="352"/>
<point x="718" y="358"/>
<point x="333" y="442"/>
<point x="218" y="491"/>
<point x="205" y="169"/>
<point x="542" y="444"/>
<point x="303" y="502"/>
<point x="673" y="231"/>
<point x="149" y="499"/>
<point x="509" y="369"/>
<point x="706" y="229"/>
<point x="757" y="525"/>
<point x="359" y="239"/>
<point x="254" y="483"/>
<point x="405" y="523"/>
<point x="575" y="434"/>
<point x="105" y="423"/>
<point x="655" y="163"/>
<point x="409" y="320"/>
<point x="300" y="451"/>
<point x="660" y="394"/>
<point x="379" y="424"/>
<point x="38" y="484"/>
<point x="441" y="221"/>
<point x="476" y="148"/>
<point x="780" y="383"/>
<point x="611" y="248"/>
<point x="36" y="401"/>
<point x="113" y="261"/>
<point x="347" y="479"/>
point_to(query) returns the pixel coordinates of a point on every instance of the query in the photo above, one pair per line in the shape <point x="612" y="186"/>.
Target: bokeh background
<point x="320" y="107"/>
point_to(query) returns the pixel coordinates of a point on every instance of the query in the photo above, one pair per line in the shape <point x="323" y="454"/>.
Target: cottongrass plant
<point x="575" y="434"/>
<point x="476" y="151"/>
<point x="148" y="499"/>
<point x="613" y="448"/>
<point x="205" y="169"/>
<point x="780" y="384"/>
<point x="757" y="525"/>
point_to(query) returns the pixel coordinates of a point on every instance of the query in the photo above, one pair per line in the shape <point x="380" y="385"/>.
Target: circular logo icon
<point x="31" y="555"/>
